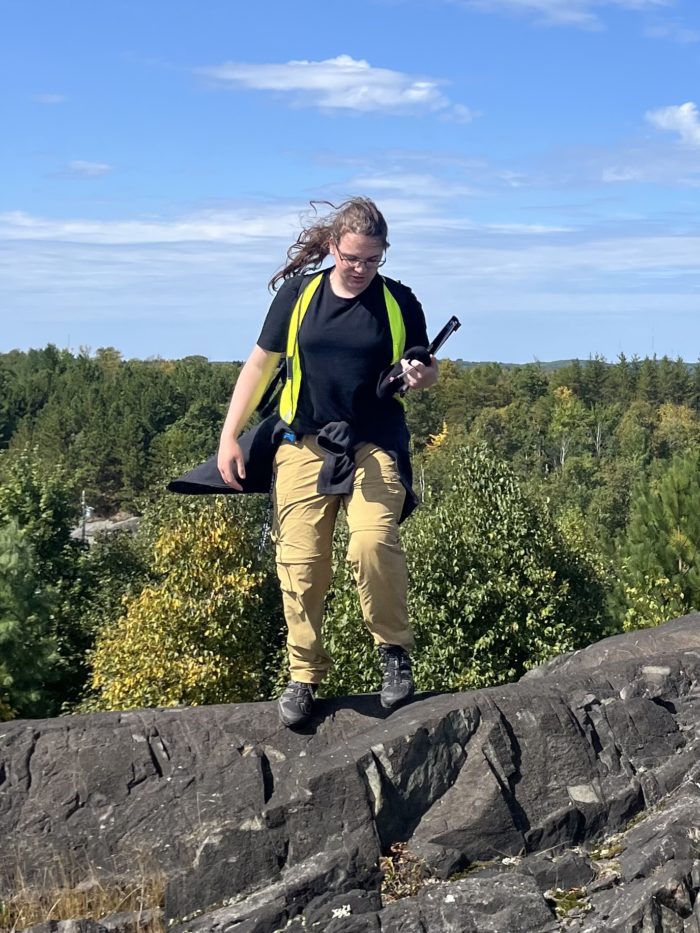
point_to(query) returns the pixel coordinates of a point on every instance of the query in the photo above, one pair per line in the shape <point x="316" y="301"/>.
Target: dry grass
<point x="404" y="873"/>
<point x="59" y="895"/>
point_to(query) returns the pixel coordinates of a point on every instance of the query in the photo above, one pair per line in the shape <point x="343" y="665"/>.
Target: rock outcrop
<point x="568" y="801"/>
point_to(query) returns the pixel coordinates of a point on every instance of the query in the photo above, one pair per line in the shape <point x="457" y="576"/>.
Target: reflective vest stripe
<point x="290" y="391"/>
<point x="396" y="324"/>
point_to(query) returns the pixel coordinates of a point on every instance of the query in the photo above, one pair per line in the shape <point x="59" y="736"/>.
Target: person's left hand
<point x="418" y="375"/>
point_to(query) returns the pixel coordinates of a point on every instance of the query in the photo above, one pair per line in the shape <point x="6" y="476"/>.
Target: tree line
<point x="560" y="504"/>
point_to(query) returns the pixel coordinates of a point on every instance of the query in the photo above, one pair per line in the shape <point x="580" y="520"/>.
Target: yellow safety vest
<point x="290" y="391"/>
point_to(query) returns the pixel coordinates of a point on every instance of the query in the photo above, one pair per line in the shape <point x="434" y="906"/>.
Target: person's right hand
<point x="230" y="462"/>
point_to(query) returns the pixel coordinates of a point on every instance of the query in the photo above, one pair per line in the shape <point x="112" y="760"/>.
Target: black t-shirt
<point x="344" y="345"/>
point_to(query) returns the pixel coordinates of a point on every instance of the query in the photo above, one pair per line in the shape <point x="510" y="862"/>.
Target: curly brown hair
<point x="356" y="215"/>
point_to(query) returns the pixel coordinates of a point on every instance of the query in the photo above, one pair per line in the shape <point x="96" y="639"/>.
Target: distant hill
<point x="545" y="365"/>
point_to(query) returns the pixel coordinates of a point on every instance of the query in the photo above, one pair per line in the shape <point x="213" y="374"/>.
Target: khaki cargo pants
<point x="303" y="534"/>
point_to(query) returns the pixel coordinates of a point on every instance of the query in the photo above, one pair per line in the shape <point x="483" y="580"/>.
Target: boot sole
<point x="290" y="723"/>
<point x="396" y="703"/>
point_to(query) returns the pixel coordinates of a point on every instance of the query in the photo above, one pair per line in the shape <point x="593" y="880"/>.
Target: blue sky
<point x="538" y="162"/>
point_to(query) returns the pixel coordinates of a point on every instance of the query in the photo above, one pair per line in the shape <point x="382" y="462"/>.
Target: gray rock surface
<point x="511" y="902"/>
<point x="124" y="922"/>
<point x="258" y="828"/>
<point x="100" y="526"/>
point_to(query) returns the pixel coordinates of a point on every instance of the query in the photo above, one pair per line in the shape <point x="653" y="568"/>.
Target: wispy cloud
<point x="647" y="160"/>
<point x="673" y="30"/>
<point x="95" y="279"/>
<point x="621" y="173"/>
<point x="630" y="163"/>
<point x="49" y="99"/>
<point x="411" y="184"/>
<point x="426" y="224"/>
<point x="682" y="119"/>
<point x="559" y="170"/>
<point x="581" y="13"/>
<point x="425" y="173"/>
<point x="212" y="226"/>
<point x="79" y="168"/>
<point x="343" y="83"/>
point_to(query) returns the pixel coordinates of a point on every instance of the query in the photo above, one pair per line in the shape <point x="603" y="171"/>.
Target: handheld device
<point x="392" y="380"/>
<point x="452" y="325"/>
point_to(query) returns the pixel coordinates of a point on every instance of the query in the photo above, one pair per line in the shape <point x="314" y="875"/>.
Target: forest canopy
<point x="560" y="503"/>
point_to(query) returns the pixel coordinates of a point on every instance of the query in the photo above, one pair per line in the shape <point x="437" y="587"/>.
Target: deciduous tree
<point x="198" y="632"/>
<point x="495" y="587"/>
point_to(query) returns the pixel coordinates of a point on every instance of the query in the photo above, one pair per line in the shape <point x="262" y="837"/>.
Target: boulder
<point x="257" y="828"/>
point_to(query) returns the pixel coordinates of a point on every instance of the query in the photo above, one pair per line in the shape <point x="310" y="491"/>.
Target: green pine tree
<point x="28" y="648"/>
<point x="661" y="546"/>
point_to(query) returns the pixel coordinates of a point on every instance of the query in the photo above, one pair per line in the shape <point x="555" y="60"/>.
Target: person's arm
<point x="249" y="389"/>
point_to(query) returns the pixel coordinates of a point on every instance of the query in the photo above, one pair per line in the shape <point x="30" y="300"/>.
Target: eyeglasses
<point x="356" y="261"/>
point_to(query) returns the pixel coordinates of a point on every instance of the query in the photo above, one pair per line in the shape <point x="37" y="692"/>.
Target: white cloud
<point x="49" y="99"/>
<point x="444" y="174"/>
<point x="682" y="119"/>
<point x="411" y="184"/>
<point x="83" y="169"/>
<point x="527" y="229"/>
<point x="653" y="255"/>
<point x="424" y="224"/>
<point x="343" y="83"/>
<point x="109" y="281"/>
<point x="562" y="12"/>
<point x="673" y="30"/>
<point x="641" y="161"/>
<point x="616" y="174"/>
<point x="237" y="226"/>
<point x="460" y="113"/>
<point x="429" y="173"/>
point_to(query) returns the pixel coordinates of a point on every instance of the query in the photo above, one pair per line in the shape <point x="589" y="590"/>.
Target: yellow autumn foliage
<point x="651" y="602"/>
<point x="192" y="636"/>
<point x="436" y="441"/>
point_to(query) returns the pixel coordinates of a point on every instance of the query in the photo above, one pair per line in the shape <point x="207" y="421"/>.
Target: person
<point x="340" y="444"/>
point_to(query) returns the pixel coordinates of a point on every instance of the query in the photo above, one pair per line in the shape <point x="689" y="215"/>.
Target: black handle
<point x="452" y="325"/>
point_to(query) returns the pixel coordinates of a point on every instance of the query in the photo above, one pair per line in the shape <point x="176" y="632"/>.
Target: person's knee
<point x="303" y="576"/>
<point x="303" y="549"/>
<point x="370" y="544"/>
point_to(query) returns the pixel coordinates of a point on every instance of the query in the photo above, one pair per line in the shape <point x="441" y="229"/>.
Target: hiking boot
<point x="397" y="681"/>
<point x="296" y="703"/>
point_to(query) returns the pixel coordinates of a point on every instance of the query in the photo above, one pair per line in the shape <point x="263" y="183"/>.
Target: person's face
<point x="357" y="258"/>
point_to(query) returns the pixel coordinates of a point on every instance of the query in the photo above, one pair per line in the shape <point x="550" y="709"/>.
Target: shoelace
<point x="297" y="688"/>
<point x="396" y="663"/>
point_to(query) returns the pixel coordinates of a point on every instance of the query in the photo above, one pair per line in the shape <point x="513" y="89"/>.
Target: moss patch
<point x="474" y="867"/>
<point x="608" y="849"/>
<point x="566" y="901"/>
